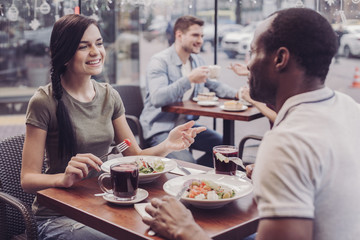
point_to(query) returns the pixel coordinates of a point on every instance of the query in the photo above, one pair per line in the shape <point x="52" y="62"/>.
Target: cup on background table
<point x="124" y="181"/>
<point x="221" y="156"/>
<point x="214" y="71"/>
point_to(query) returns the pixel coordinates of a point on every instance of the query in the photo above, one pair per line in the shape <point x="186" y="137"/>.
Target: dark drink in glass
<point x="221" y="155"/>
<point x="124" y="180"/>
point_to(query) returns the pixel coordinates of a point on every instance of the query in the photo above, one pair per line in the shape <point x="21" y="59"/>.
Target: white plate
<point x="239" y="174"/>
<point x="207" y="103"/>
<point x="143" y="178"/>
<point x="239" y="185"/>
<point x="234" y="110"/>
<point x="141" y="195"/>
<point x="195" y="99"/>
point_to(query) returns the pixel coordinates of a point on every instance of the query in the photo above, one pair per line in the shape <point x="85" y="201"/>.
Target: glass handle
<point x="101" y="183"/>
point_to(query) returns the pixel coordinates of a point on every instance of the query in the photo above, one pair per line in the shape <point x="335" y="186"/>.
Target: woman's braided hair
<point x="64" y="42"/>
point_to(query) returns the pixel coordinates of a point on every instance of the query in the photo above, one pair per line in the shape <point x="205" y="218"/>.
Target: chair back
<point x="10" y="167"/>
<point x="134" y="104"/>
<point x="132" y="99"/>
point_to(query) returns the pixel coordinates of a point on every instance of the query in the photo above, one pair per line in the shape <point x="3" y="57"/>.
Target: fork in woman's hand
<point x="118" y="148"/>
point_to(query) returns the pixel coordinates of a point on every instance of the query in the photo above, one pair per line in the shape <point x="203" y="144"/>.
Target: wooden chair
<point x="134" y="104"/>
<point x="16" y="218"/>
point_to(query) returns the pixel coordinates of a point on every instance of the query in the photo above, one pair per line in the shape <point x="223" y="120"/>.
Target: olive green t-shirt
<point x="92" y="123"/>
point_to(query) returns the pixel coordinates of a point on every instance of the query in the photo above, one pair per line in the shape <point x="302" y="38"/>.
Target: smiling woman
<point x="75" y="119"/>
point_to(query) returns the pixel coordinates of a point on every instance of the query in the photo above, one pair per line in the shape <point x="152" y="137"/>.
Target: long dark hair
<point x="64" y="42"/>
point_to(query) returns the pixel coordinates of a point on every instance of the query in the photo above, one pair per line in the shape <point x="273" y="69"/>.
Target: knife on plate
<point x="187" y="172"/>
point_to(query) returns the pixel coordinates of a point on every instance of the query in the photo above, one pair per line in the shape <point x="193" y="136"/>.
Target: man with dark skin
<point x="307" y="164"/>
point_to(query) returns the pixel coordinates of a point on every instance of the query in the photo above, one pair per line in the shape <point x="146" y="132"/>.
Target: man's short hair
<point x="183" y="23"/>
<point x="307" y="35"/>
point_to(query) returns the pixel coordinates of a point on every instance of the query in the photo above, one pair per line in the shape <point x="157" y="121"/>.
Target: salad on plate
<point x="154" y="166"/>
<point x="207" y="189"/>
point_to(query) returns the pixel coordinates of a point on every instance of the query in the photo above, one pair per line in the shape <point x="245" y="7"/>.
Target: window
<point x="134" y="30"/>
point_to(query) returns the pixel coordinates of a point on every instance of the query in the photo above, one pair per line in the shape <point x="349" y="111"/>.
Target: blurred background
<point x="134" y="30"/>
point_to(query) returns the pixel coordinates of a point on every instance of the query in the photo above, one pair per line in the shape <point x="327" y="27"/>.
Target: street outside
<point x="340" y="77"/>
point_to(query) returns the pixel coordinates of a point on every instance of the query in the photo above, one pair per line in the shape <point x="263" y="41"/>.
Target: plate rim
<point x="146" y="194"/>
<point x="244" y="108"/>
<point x="143" y="178"/>
<point x="211" y="103"/>
<point x="195" y="99"/>
<point x="210" y="203"/>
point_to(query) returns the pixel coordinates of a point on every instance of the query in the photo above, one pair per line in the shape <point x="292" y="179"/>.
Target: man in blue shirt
<point x="176" y="74"/>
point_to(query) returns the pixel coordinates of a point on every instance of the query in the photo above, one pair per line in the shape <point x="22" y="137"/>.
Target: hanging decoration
<point x="342" y="13"/>
<point x="68" y="7"/>
<point x="57" y="16"/>
<point x="330" y="2"/>
<point x="1" y="10"/>
<point x="27" y="5"/>
<point x="299" y="4"/>
<point x="105" y="5"/>
<point x="45" y="7"/>
<point x="190" y="4"/>
<point x="13" y="13"/>
<point x="34" y="24"/>
<point x="95" y="9"/>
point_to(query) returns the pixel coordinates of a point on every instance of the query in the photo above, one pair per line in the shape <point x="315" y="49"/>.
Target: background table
<point x="192" y="108"/>
<point x="233" y="221"/>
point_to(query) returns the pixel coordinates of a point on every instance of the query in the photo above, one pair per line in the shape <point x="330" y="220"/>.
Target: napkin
<point x="140" y="208"/>
<point x="192" y="170"/>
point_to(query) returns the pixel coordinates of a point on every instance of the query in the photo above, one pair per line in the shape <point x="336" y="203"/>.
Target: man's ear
<point x="281" y="58"/>
<point x="178" y="34"/>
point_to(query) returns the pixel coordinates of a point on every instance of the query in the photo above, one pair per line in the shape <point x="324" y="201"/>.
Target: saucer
<point x="208" y="103"/>
<point x="243" y="108"/>
<point x="239" y="174"/>
<point x="141" y="195"/>
<point x="195" y="99"/>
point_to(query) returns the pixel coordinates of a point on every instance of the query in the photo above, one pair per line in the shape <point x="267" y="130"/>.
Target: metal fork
<point x="185" y="186"/>
<point x="118" y="148"/>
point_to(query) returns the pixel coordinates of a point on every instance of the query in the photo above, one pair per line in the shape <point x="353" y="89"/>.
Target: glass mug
<point x="221" y="164"/>
<point x="124" y="181"/>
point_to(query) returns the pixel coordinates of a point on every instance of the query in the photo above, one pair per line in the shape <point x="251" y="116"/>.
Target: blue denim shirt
<point x="166" y="85"/>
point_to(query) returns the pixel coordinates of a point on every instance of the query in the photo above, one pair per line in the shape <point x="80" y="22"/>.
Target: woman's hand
<point x="239" y="69"/>
<point x="182" y="136"/>
<point x="245" y="94"/>
<point x="79" y="167"/>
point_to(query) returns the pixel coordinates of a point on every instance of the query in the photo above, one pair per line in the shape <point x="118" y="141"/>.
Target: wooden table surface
<point x="233" y="221"/>
<point x="192" y="108"/>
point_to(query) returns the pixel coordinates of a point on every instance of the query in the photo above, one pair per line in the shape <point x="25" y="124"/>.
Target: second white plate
<point x="234" y="110"/>
<point x="241" y="187"/>
<point x="195" y="99"/>
<point x="208" y="103"/>
<point x="170" y="164"/>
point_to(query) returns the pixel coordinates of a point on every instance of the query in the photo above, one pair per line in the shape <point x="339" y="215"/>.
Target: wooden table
<point x="192" y="108"/>
<point x="233" y="221"/>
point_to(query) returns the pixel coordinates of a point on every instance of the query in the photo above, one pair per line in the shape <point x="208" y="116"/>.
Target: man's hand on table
<point x="249" y="170"/>
<point x="171" y="219"/>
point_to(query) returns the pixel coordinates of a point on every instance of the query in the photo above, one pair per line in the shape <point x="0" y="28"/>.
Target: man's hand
<point x="171" y="219"/>
<point x="199" y="75"/>
<point x="249" y="170"/>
